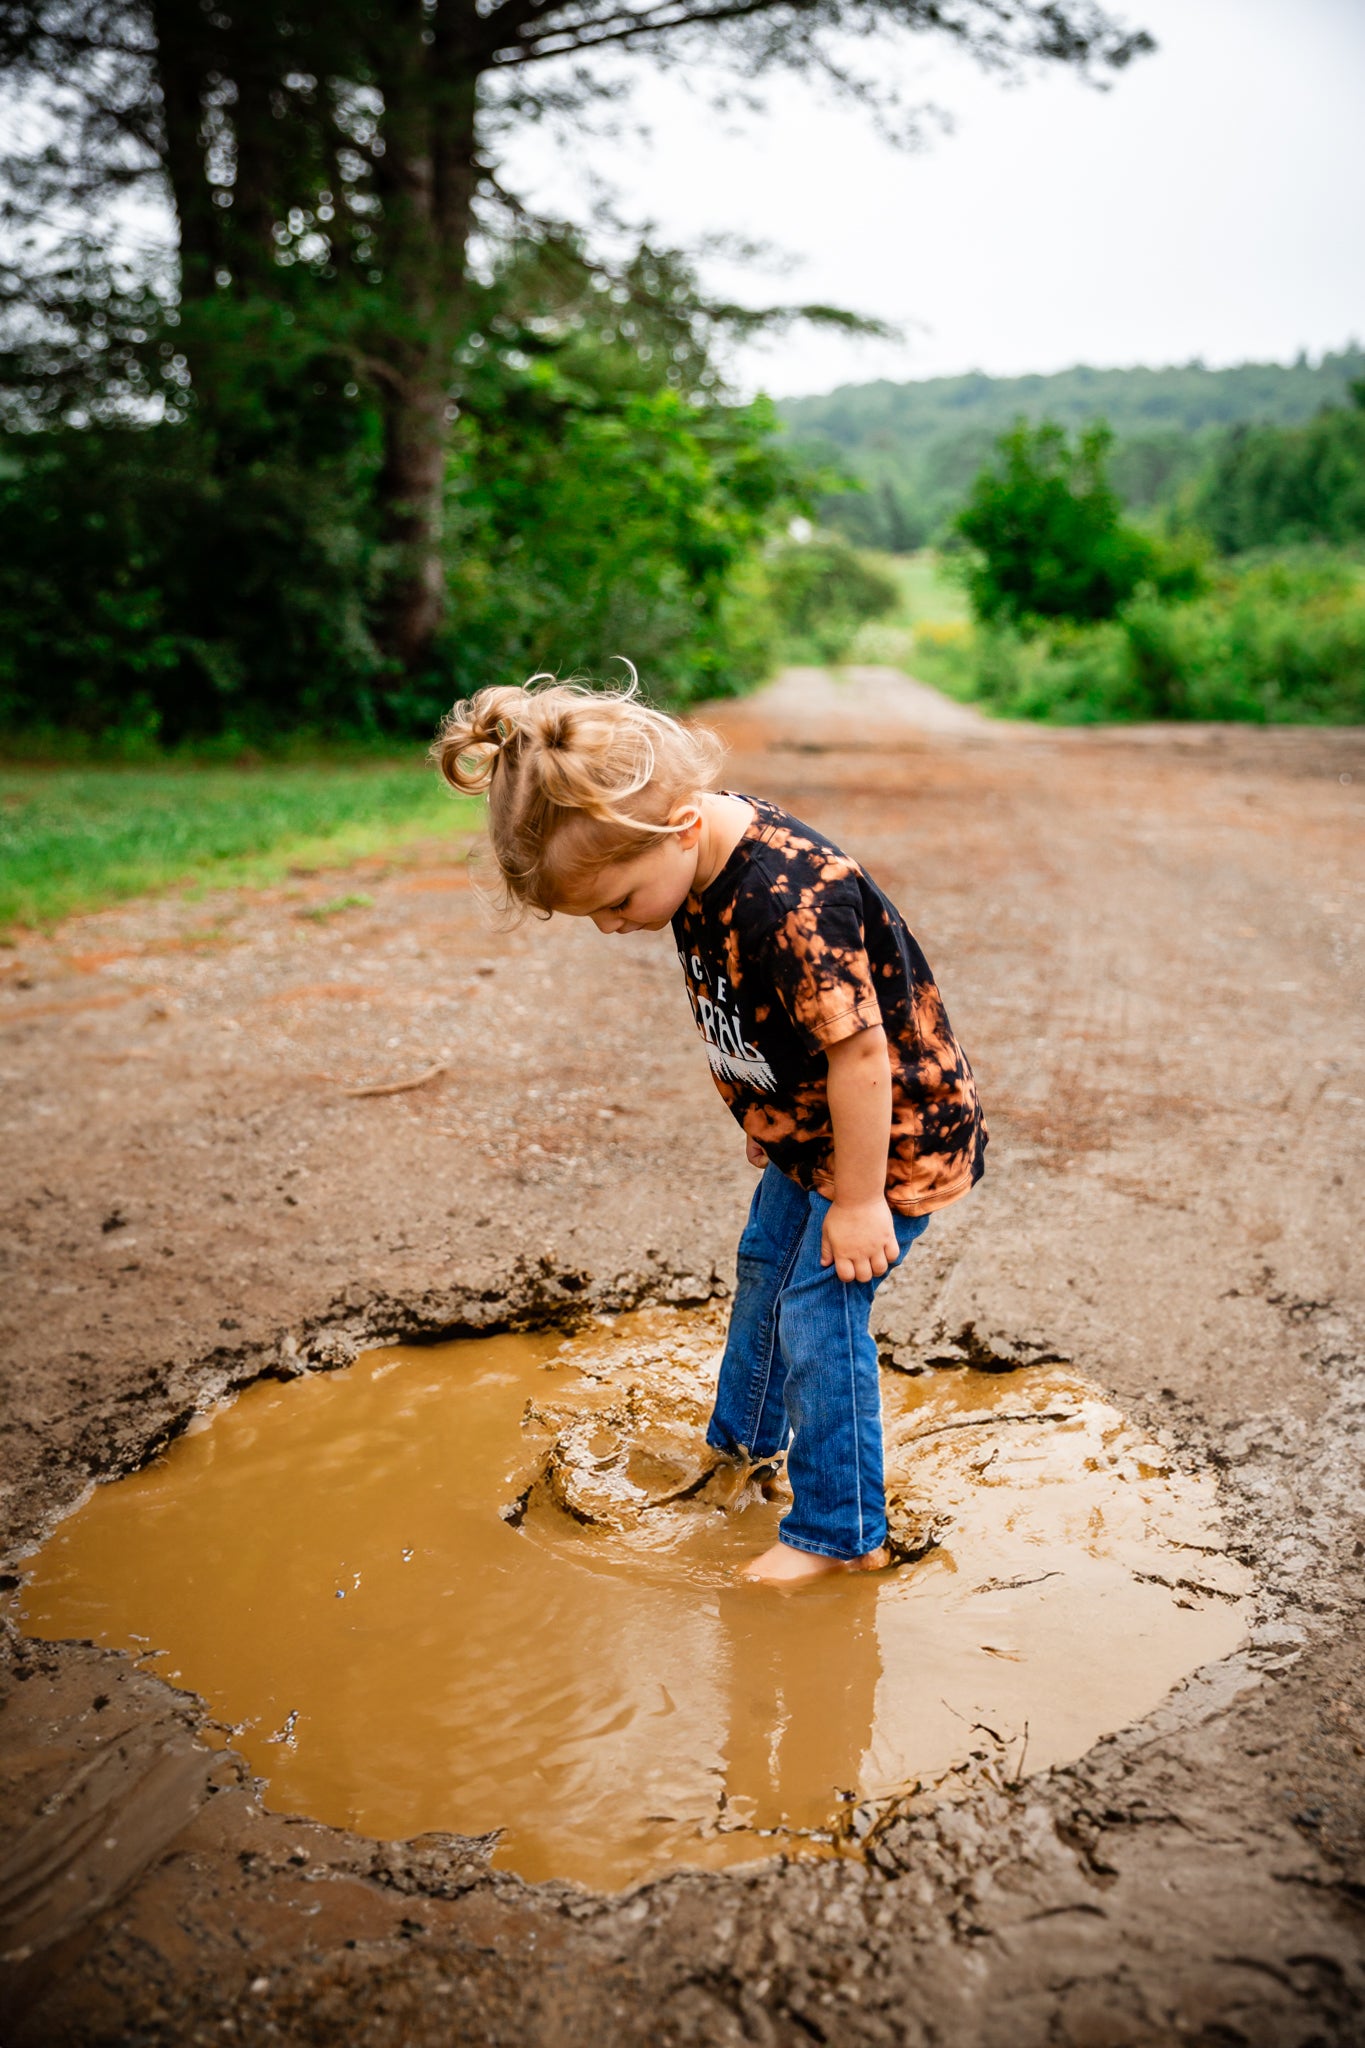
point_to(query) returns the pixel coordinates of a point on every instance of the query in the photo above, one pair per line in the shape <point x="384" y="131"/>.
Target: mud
<point x="399" y="1642"/>
<point x="1151" y="945"/>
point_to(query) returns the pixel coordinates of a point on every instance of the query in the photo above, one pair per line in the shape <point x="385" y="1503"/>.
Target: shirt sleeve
<point x="821" y="972"/>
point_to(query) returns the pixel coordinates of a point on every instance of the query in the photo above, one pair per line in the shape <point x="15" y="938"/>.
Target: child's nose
<point x="606" y="920"/>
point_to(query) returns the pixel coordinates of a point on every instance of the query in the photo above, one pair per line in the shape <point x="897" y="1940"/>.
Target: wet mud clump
<point x="627" y="1453"/>
<point x="488" y="1588"/>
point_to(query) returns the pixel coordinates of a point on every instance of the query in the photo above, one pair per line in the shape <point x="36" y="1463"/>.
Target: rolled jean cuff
<point x="815" y="1549"/>
<point x="730" y="1447"/>
<point x="720" y="1439"/>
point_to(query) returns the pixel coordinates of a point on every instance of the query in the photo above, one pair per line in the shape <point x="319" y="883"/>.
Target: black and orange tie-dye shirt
<point x="791" y="948"/>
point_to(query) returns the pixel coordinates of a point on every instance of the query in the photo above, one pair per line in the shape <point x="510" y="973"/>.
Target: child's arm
<point x="859" y="1237"/>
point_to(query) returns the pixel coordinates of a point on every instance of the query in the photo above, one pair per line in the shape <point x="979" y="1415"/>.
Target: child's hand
<point x="754" y="1152"/>
<point x="859" y="1240"/>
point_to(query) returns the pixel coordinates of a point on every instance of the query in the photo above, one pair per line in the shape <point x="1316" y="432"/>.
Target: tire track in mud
<point x="1197" y="1878"/>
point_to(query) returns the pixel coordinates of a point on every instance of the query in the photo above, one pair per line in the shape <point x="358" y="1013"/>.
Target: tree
<point x="1049" y="537"/>
<point x="1271" y="486"/>
<point x="151" y="596"/>
<point x="333" y="167"/>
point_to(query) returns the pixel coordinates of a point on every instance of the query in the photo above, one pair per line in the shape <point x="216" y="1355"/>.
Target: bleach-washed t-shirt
<point x="791" y="948"/>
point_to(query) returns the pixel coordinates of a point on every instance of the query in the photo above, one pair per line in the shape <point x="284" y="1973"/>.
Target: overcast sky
<point x="1208" y="205"/>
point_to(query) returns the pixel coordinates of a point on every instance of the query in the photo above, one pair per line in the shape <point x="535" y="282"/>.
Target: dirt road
<point x="1151" y="944"/>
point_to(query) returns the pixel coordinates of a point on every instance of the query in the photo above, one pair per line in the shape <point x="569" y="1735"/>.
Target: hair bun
<point x="473" y="738"/>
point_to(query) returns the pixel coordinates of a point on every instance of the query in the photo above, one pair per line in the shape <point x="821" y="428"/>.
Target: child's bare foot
<point x="784" y="1565"/>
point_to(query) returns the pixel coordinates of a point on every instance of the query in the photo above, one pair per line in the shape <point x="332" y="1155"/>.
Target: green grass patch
<point x="321" y="912"/>
<point x="930" y="593"/>
<point x="928" y="633"/>
<point x="75" y="839"/>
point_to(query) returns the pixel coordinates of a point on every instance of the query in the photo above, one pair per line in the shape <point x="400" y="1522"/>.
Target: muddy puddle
<point x="488" y="1585"/>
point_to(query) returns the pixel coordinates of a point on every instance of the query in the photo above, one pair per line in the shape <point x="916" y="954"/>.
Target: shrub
<point x="1279" y="642"/>
<point x="587" y="520"/>
<point x="146" y="596"/>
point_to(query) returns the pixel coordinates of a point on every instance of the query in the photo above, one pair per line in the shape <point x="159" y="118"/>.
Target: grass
<point x="321" y="912"/>
<point x="73" y="839"/>
<point x="929" y="631"/>
<point x="930" y="594"/>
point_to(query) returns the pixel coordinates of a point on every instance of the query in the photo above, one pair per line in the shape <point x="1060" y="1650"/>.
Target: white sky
<point x="1208" y="205"/>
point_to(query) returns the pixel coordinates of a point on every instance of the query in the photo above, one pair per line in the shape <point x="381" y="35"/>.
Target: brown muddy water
<point x="488" y="1585"/>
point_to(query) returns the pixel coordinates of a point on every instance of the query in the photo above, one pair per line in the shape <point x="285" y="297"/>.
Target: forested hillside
<point x="918" y="446"/>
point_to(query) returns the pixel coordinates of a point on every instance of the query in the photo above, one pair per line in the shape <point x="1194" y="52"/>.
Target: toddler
<point x="826" y="1035"/>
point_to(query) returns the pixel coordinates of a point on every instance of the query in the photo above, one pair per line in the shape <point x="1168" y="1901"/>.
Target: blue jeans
<point x="800" y="1372"/>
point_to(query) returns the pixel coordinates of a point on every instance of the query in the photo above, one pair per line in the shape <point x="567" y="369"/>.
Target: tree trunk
<point x="181" y="67"/>
<point x="258" y="189"/>
<point x="410" y="492"/>
<point x="426" y="180"/>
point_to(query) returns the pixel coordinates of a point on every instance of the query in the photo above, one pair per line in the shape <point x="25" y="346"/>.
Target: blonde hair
<point x="576" y="777"/>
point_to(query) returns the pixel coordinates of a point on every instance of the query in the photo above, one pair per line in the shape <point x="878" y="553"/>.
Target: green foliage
<point x="917" y="447"/>
<point x="335" y="171"/>
<point x="72" y="839"/>
<point x="594" y="513"/>
<point x="1273" y="485"/>
<point x="822" y="590"/>
<point x="1048" y="536"/>
<point x="219" y="578"/>
<point x="144" y="593"/>
<point x="1279" y="642"/>
<point x="345" y="239"/>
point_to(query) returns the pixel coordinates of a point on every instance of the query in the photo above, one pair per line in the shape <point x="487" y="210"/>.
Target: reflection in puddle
<point x="424" y="1607"/>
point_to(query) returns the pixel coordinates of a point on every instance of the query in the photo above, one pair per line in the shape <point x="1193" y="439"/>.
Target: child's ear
<point x="685" y="820"/>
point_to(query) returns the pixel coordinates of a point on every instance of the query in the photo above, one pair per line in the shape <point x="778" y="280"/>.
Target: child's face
<point x="641" y="894"/>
